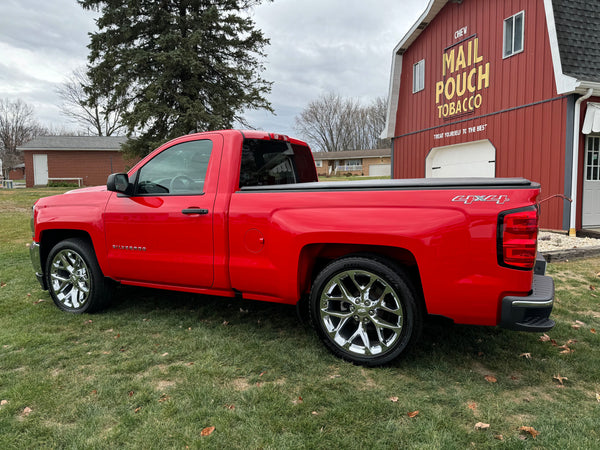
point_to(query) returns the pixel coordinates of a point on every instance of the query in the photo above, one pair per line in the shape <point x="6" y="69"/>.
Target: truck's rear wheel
<point x="74" y="279"/>
<point x="364" y="310"/>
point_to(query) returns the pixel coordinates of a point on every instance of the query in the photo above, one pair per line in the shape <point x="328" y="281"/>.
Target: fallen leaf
<point x="592" y="288"/>
<point x="394" y="399"/>
<point x="576" y="327"/>
<point x="490" y="379"/>
<point x="2" y="285"/>
<point x="472" y="406"/>
<point x="26" y="411"/>
<point x="165" y="354"/>
<point x="532" y="431"/>
<point x="566" y="350"/>
<point x="544" y="338"/>
<point x="88" y="322"/>
<point x="163" y="398"/>
<point x="593" y="330"/>
<point x="94" y="392"/>
<point x="39" y="301"/>
<point x="482" y="426"/>
<point x="138" y="409"/>
<point x="225" y="323"/>
<point x="261" y="374"/>
<point x="230" y="407"/>
<point x="413" y="414"/>
<point x="560" y="379"/>
<point x="597" y="397"/>
<point x="571" y="341"/>
<point x="579" y="322"/>
<point x="314" y="413"/>
<point x="297" y="401"/>
<point x="5" y="402"/>
<point x="110" y="330"/>
<point x="526" y="355"/>
<point x="499" y="437"/>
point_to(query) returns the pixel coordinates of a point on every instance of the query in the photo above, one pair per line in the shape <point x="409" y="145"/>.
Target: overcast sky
<point x="317" y="46"/>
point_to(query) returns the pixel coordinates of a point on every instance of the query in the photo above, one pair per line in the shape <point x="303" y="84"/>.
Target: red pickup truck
<point x="241" y="214"/>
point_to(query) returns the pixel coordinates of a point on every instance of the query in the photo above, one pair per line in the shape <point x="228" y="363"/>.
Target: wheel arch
<point x="49" y="238"/>
<point x="314" y="257"/>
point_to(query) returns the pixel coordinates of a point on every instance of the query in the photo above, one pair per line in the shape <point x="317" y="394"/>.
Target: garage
<point x="471" y="159"/>
<point x="380" y="170"/>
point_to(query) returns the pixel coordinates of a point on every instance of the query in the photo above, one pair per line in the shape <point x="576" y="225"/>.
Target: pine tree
<point x="176" y="66"/>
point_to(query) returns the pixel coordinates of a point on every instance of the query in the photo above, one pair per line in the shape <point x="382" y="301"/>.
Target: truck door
<point x="163" y="233"/>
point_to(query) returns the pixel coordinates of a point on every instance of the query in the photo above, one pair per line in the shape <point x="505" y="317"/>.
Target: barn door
<point x="471" y="159"/>
<point x="591" y="183"/>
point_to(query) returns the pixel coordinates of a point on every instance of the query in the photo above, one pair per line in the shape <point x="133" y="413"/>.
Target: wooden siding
<point x="519" y="110"/>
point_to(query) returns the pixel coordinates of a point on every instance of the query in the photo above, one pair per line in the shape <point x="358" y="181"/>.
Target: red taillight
<point x="517" y="238"/>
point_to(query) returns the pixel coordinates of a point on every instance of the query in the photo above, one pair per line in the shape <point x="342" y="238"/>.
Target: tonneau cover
<point x="403" y="184"/>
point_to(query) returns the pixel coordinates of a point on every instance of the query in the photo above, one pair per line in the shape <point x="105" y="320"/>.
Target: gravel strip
<point x="550" y="241"/>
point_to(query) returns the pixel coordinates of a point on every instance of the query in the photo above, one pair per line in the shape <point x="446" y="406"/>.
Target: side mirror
<point x="119" y="182"/>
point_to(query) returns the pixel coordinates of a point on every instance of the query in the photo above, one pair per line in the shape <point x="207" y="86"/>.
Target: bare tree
<point x="327" y="123"/>
<point x="17" y="127"/>
<point x="95" y="116"/>
<point x="332" y="123"/>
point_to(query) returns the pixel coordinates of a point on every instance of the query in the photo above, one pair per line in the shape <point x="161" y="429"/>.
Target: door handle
<point x="195" y="211"/>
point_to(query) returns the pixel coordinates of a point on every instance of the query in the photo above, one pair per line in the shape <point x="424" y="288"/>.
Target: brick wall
<point x="92" y="166"/>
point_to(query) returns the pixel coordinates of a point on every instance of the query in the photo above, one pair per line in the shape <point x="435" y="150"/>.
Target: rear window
<point x="266" y="163"/>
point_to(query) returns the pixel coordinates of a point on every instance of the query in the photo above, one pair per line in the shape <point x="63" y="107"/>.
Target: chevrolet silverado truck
<point x="242" y="214"/>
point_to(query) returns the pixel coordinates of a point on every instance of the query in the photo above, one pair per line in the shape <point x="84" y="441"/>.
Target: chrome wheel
<point x="70" y="279"/>
<point x="361" y="312"/>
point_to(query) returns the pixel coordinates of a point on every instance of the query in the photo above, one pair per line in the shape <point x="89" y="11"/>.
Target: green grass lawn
<point x="158" y="368"/>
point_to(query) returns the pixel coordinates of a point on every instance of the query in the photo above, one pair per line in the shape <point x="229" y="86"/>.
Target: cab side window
<point x="178" y="170"/>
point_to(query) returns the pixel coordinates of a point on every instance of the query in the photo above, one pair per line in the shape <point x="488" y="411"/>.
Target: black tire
<point x="364" y="310"/>
<point x="74" y="279"/>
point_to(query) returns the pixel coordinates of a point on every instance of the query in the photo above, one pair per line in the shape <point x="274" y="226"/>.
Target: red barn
<point x="503" y="88"/>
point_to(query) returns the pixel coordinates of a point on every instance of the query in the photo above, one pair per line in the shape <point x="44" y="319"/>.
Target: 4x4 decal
<point x="469" y="199"/>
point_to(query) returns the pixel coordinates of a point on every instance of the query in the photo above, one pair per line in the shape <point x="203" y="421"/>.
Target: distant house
<point x="356" y="162"/>
<point x="84" y="160"/>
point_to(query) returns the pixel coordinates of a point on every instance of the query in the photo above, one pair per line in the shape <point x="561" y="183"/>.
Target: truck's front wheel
<point x="364" y="310"/>
<point x="74" y="279"/>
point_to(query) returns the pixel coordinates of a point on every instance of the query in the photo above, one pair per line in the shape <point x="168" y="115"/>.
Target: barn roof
<point x="85" y="143"/>
<point x="578" y="33"/>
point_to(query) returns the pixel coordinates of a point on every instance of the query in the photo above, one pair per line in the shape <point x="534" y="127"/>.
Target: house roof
<point x="578" y="32"/>
<point x="85" y="143"/>
<point x="573" y="27"/>
<point x="352" y="154"/>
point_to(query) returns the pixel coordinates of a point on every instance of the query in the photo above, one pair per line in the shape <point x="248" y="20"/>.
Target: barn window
<point x="419" y="76"/>
<point x="514" y="33"/>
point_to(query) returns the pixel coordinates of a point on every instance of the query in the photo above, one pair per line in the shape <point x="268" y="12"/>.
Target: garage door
<point x="471" y="159"/>
<point x="380" y="170"/>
